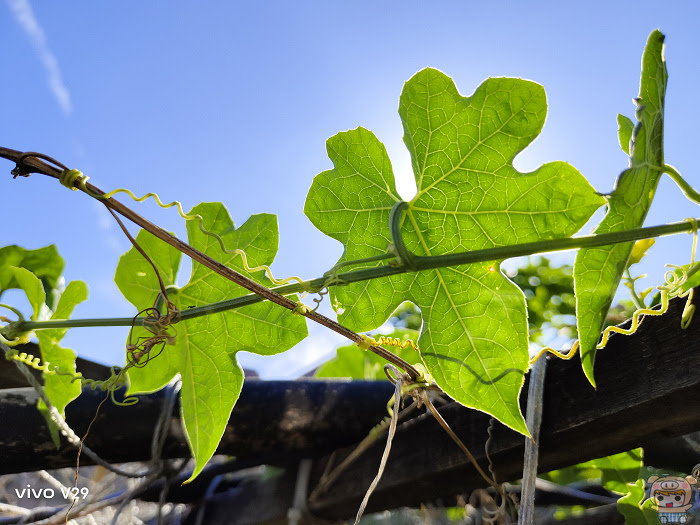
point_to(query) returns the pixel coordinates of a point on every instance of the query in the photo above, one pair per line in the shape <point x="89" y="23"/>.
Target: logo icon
<point x="672" y="496"/>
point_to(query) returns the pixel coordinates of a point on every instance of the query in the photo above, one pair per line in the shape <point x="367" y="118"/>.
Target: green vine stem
<point x="407" y="261"/>
<point x="405" y="258"/>
<point x="437" y="261"/>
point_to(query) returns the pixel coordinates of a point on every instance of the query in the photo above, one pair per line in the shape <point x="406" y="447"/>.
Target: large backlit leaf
<point x="204" y="353"/>
<point x="474" y="337"/>
<point x="598" y="271"/>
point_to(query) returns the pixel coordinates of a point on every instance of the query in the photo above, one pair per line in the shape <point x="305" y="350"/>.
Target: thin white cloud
<point x="26" y="19"/>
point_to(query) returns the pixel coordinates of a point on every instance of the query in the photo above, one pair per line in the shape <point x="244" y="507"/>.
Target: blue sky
<point x="233" y="101"/>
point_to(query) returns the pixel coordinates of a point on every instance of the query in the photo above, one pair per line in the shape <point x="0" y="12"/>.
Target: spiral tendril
<point x="115" y="381"/>
<point x="674" y="280"/>
<point x="69" y="177"/>
<point x="368" y="341"/>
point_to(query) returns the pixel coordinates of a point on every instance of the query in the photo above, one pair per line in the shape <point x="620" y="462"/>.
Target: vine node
<point x="404" y="257"/>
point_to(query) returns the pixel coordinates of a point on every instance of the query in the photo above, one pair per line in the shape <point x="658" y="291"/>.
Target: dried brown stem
<point x="425" y="399"/>
<point x="34" y="165"/>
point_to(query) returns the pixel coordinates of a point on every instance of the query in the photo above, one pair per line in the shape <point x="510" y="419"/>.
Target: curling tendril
<point x="69" y="177"/>
<point x="368" y="341"/>
<point x="674" y="281"/>
<point x="115" y="381"/>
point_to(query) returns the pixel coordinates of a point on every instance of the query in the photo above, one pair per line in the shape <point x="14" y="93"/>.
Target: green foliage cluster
<point x="620" y="473"/>
<point x="549" y="292"/>
<point x="474" y="324"/>
<point x="204" y="351"/>
<point x="38" y="273"/>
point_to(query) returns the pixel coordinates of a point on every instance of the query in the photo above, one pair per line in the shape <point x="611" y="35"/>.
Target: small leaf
<point x="616" y="472"/>
<point x="474" y="336"/>
<point x="45" y="263"/>
<point x="75" y="293"/>
<point x="140" y="284"/>
<point x="693" y="280"/>
<point x="60" y="389"/>
<point x="204" y="353"/>
<point x="624" y="132"/>
<point x="32" y="287"/>
<point x="598" y="271"/>
<point x="635" y="509"/>
<point x="640" y="250"/>
<point x="619" y="470"/>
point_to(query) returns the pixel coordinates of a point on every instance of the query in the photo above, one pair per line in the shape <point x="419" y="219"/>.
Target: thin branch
<point x="277" y="295"/>
<point x="203" y="259"/>
<point x="460" y="444"/>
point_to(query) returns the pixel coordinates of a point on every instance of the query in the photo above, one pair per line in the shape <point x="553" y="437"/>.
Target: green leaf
<point x="635" y="509"/>
<point x="615" y="473"/>
<point x="619" y="470"/>
<point x="60" y="389"/>
<point x="204" y="353"/>
<point x="354" y="363"/>
<point x="597" y="271"/>
<point x="75" y="293"/>
<point x="474" y="336"/>
<point x="640" y="249"/>
<point x="139" y="284"/>
<point x="45" y="263"/>
<point x="32" y="287"/>
<point x="693" y="280"/>
<point x="625" y="127"/>
<point x="618" y="473"/>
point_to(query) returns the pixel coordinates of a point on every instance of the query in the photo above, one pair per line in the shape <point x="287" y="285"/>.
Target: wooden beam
<point x="273" y="420"/>
<point x="648" y="387"/>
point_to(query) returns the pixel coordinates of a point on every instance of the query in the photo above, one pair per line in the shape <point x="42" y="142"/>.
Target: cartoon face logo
<point x="672" y="497"/>
<point x="669" y="499"/>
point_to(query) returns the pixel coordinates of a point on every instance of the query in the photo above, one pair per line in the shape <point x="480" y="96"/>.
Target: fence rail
<point x="648" y="387"/>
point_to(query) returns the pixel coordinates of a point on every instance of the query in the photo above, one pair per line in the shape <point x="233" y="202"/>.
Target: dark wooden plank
<point x="648" y="386"/>
<point x="275" y="420"/>
<point x="258" y="502"/>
